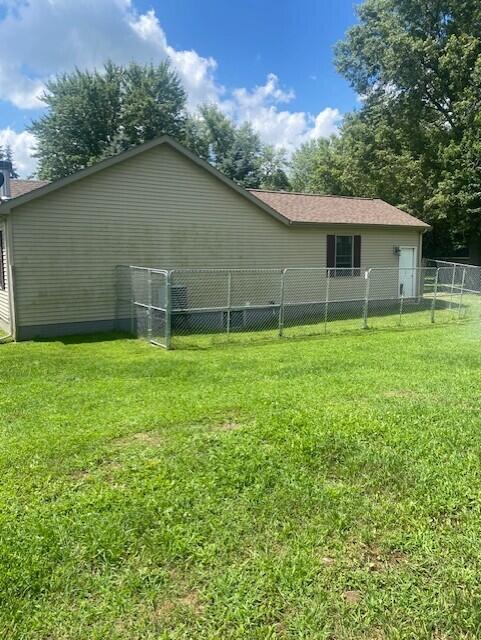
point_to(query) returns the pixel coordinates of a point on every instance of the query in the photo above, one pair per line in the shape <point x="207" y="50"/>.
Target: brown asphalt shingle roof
<point x="306" y="207"/>
<point x="20" y="187"/>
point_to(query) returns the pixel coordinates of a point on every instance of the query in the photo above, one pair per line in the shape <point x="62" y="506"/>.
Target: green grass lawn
<point x="326" y="488"/>
<point x="339" y="319"/>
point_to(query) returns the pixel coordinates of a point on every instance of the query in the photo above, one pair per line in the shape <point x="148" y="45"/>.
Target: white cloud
<point x="270" y="92"/>
<point x="281" y="128"/>
<point x="23" y="147"/>
<point x="325" y="123"/>
<point x="45" y="37"/>
<point x="195" y="71"/>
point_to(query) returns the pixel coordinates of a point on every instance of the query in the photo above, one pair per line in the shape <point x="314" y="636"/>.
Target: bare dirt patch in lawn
<point x="229" y="425"/>
<point x="377" y="559"/>
<point x="189" y="600"/>
<point x="352" y="596"/>
<point x="80" y="474"/>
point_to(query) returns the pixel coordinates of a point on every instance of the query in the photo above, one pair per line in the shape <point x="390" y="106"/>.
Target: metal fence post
<point x="452" y="287"/>
<point x="401" y="304"/>
<point x="367" y="276"/>
<point x="149" y="302"/>
<point x="326" y="304"/>
<point x="281" y="304"/>
<point x="229" y="301"/>
<point x="461" y="295"/>
<point x="132" y="303"/>
<point x="433" y="304"/>
<point x="168" y="309"/>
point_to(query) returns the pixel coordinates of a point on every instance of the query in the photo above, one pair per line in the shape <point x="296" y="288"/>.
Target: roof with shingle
<point x="288" y="207"/>
<point x="322" y="209"/>
<point x="20" y="187"/>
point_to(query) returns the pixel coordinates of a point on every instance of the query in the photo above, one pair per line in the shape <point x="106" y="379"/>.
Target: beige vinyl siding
<point x="4" y="295"/>
<point x="158" y="209"/>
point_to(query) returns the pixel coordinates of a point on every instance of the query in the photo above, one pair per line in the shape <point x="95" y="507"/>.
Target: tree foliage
<point x="236" y="151"/>
<point x="315" y="167"/>
<point x="273" y="169"/>
<point x="95" y="114"/>
<point x="418" y="64"/>
<point x="6" y="153"/>
<point x="415" y="141"/>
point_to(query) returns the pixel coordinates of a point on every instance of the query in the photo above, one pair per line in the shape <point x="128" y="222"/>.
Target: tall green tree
<point x="273" y="169"/>
<point x="314" y="167"/>
<point x="6" y="153"/>
<point x="236" y="151"/>
<point x="152" y="102"/>
<point x="94" y="114"/>
<point x="417" y="64"/>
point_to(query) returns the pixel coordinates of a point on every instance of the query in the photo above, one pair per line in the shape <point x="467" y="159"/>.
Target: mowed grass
<point x="388" y="315"/>
<point x="309" y="489"/>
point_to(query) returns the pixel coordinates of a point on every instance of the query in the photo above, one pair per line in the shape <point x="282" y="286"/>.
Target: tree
<point x="196" y="138"/>
<point x="242" y="162"/>
<point x="236" y="151"/>
<point x="216" y="133"/>
<point x="314" y="167"/>
<point x="273" y="166"/>
<point x="415" y="140"/>
<point x="94" y="114"/>
<point x="152" y="103"/>
<point x="7" y="154"/>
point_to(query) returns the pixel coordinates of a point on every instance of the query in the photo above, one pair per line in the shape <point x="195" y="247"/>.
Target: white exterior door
<point x="407" y="272"/>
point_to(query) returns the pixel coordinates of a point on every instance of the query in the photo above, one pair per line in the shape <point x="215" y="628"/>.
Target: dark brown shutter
<point x="331" y="252"/>
<point x="357" y="252"/>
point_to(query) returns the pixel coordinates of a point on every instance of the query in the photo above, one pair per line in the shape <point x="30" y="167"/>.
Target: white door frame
<point x="415" y="261"/>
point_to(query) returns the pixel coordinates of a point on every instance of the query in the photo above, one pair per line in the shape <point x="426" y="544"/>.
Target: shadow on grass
<point x="307" y="337"/>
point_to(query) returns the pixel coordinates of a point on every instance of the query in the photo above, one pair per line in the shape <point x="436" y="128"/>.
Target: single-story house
<point x="159" y="205"/>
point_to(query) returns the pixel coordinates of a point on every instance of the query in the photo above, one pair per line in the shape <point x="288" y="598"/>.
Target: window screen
<point x="344" y="252"/>
<point x="343" y="255"/>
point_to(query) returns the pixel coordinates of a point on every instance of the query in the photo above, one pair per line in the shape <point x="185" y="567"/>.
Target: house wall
<point x="4" y="293"/>
<point x="158" y="209"/>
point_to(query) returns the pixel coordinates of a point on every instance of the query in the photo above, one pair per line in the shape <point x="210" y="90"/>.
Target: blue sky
<point x="260" y="60"/>
<point x="252" y="38"/>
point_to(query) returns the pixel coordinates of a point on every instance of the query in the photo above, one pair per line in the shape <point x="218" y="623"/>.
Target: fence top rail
<point x="262" y="270"/>
<point x="224" y="270"/>
<point x="151" y="269"/>
<point x="404" y="268"/>
<point x="460" y="265"/>
<point x="284" y="269"/>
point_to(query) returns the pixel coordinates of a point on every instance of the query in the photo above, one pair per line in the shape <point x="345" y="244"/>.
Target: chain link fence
<point x="197" y="307"/>
<point x="143" y="303"/>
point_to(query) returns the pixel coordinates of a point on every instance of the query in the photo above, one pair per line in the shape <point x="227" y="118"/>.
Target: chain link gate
<point x="143" y="306"/>
<point x="197" y="307"/>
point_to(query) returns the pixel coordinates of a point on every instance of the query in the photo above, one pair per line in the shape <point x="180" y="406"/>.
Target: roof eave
<point x="421" y="226"/>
